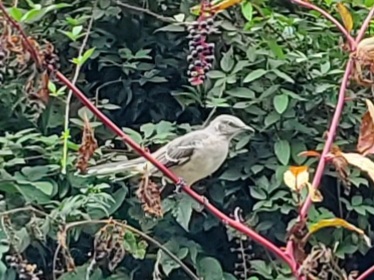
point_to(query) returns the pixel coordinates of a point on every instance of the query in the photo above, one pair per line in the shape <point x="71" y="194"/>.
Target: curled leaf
<point x="341" y="166"/>
<point x="337" y="222"/>
<point x="309" y="154"/>
<point x="315" y="195"/>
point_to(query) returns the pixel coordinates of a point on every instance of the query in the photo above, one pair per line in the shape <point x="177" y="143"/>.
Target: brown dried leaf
<point x="150" y="197"/>
<point x="43" y="92"/>
<point x="297" y="234"/>
<point x="87" y="148"/>
<point x="109" y="245"/>
<point x="365" y="143"/>
<point x="364" y="60"/>
<point x="341" y="166"/>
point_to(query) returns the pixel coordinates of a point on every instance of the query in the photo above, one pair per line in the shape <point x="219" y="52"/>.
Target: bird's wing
<point x="181" y="149"/>
<point x="115" y="167"/>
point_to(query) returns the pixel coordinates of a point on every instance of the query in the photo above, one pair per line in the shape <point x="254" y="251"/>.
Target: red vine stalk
<point x="224" y="218"/>
<point x="366" y="274"/>
<point x="336" y="118"/>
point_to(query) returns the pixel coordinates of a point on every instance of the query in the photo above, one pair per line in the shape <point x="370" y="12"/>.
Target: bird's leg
<point x="180" y="184"/>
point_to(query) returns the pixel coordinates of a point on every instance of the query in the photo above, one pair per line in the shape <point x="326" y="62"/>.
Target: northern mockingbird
<point x="191" y="157"/>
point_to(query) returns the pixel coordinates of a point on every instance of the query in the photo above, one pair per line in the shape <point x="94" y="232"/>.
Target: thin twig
<point x="24" y="209"/>
<point x="70" y="94"/>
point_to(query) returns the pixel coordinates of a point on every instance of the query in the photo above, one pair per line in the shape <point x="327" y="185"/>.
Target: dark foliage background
<point x="277" y="67"/>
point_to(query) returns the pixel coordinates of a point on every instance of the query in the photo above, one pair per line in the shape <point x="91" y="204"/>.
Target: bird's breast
<point x="204" y="161"/>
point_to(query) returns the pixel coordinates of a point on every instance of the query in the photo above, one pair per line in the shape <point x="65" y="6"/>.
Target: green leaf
<point x="16" y="13"/>
<point x="282" y="150"/>
<point x="258" y="193"/>
<point x="215" y="74"/>
<point x="184" y="209"/>
<point x="241" y="92"/>
<point x="209" y="268"/>
<point x="276" y="49"/>
<point x="34" y="173"/>
<point x="45" y="186"/>
<point x="32" y="14"/>
<point x="271" y="118"/>
<point x="227" y="61"/>
<point x="254" y="75"/>
<point x="76" y="30"/>
<point x="280" y="103"/>
<point x="283" y="76"/>
<point x="82" y="59"/>
<point x="356" y="200"/>
<point x="247" y="10"/>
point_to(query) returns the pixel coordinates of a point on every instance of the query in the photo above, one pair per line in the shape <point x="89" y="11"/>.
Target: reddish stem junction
<point x="288" y="255"/>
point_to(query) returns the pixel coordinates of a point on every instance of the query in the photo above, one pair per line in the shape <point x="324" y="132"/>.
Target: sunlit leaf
<point x="315" y="195"/>
<point x="345" y="15"/>
<point x="309" y="154"/>
<point x="361" y="162"/>
<point x="296" y="177"/>
<point x="217" y="6"/>
<point x="247" y="10"/>
<point x="337" y="222"/>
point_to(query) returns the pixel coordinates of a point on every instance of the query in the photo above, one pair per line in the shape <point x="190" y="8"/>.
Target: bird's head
<point x="229" y="126"/>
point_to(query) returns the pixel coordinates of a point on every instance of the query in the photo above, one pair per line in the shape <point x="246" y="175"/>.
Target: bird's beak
<point x="248" y="128"/>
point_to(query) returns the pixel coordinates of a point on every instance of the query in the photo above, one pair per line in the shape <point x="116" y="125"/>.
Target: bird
<point x="192" y="157"/>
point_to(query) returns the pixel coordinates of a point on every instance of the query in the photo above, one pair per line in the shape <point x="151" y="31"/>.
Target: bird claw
<point x="180" y="184"/>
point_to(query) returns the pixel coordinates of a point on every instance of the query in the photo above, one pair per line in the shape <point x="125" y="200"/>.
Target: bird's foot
<point x="179" y="185"/>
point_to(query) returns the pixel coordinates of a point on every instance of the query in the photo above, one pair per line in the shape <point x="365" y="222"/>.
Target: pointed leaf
<point x="345" y="15"/>
<point x="254" y="75"/>
<point x="337" y="222"/>
<point x="282" y="150"/>
<point x="281" y="103"/>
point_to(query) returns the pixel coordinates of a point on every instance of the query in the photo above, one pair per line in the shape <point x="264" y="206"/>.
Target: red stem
<point x="366" y="274"/>
<point x="337" y="114"/>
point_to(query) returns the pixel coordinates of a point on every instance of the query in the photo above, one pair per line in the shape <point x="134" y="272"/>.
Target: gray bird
<point x="192" y="157"/>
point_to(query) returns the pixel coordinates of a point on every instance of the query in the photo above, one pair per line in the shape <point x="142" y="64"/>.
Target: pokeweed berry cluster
<point x="201" y="53"/>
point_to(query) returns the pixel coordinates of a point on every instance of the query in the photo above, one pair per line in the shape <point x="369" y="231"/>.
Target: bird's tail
<point x="134" y="165"/>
